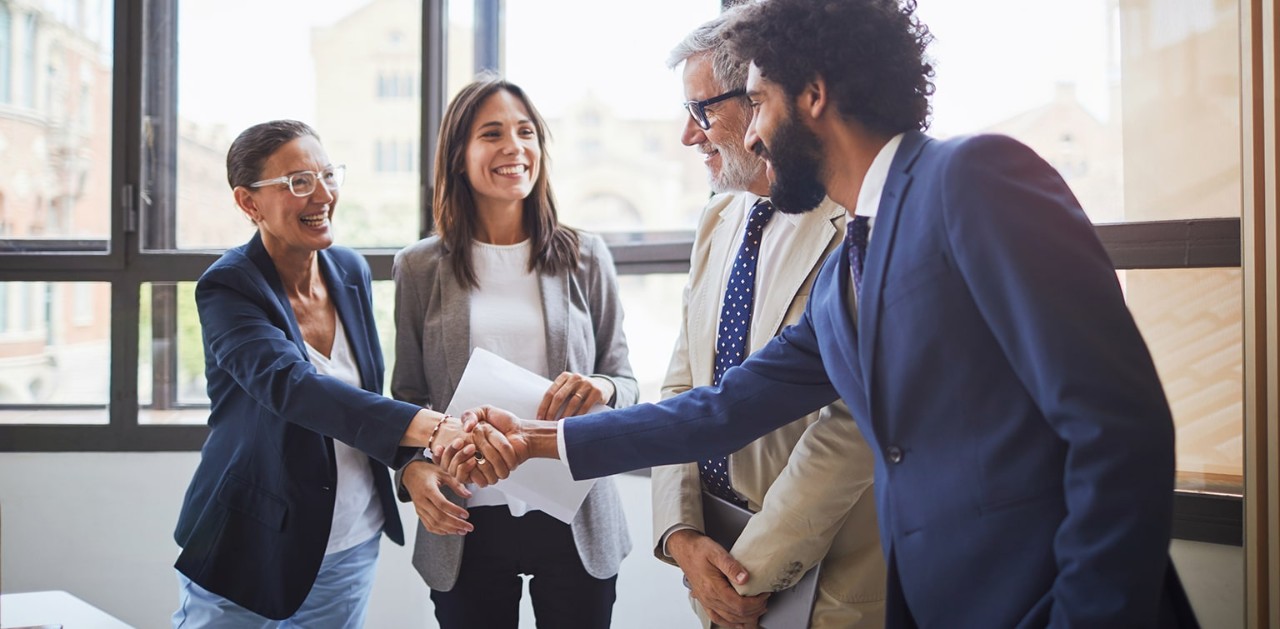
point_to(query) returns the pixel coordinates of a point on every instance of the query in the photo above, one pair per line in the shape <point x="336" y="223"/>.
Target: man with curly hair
<point x="973" y="324"/>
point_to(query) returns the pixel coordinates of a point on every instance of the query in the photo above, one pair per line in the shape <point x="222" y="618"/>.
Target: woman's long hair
<point x="555" y="247"/>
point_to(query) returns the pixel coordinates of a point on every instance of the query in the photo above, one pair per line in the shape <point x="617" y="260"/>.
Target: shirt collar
<point x="873" y="182"/>
<point x="751" y="199"/>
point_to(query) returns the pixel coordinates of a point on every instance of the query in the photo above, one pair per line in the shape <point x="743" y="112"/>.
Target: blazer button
<point x="895" y="454"/>
<point x="326" y="487"/>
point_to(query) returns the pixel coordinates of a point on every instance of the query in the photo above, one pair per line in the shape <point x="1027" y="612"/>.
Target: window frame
<point x="144" y="114"/>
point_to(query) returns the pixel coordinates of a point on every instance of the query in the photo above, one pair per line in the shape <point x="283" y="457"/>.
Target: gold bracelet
<point x="432" y="439"/>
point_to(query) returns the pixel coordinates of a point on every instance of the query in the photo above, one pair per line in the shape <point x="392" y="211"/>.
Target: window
<point x="54" y="352"/>
<point x="6" y="43"/>
<point x="56" y="183"/>
<point x="1099" y="88"/>
<point x="114" y="203"/>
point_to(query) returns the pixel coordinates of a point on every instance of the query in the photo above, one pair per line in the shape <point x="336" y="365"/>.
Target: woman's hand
<point x="423" y="480"/>
<point x="573" y="394"/>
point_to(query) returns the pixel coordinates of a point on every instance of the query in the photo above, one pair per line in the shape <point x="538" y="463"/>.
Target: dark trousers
<point x="498" y="551"/>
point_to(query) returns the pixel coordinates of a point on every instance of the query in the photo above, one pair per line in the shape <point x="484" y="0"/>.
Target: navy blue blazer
<point x="255" y="521"/>
<point x="1024" y="446"/>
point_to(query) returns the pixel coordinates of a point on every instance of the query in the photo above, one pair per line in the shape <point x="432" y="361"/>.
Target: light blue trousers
<point x="338" y="600"/>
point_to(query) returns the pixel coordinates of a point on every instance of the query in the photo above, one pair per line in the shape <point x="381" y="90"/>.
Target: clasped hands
<point x="486" y="444"/>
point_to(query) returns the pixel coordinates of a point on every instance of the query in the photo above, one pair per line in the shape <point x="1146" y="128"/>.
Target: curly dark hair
<point x="870" y="53"/>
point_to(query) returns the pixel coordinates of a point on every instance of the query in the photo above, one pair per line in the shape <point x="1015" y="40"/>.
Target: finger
<point x="721" y="597"/>
<point x="470" y="419"/>
<point x="491" y="468"/>
<point x="731" y="568"/>
<point x="441" y="523"/>
<point x="464" y="459"/>
<point x="497" y="450"/>
<point x="447" y="506"/>
<point x="548" y="404"/>
<point x="719" y="619"/>
<point x="544" y="407"/>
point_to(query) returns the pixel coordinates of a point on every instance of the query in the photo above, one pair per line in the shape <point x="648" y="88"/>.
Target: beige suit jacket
<point x="809" y="482"/>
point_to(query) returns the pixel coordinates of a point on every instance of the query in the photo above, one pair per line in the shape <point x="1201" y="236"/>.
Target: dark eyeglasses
<point x="698" y="108"/>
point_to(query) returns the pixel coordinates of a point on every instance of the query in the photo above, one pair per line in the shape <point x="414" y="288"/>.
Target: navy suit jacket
<point x="255" y="521"/>
<point x="1024" y="446"/>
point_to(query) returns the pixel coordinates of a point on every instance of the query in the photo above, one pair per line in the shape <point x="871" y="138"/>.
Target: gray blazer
<point x="584" y="335"/>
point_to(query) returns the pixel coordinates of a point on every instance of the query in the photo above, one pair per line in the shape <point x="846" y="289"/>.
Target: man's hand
<point x="709" y="568"/>
<point x="423" y="480"/>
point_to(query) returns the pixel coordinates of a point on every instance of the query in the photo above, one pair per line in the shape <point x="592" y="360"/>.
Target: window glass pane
<point x="54" y="352"/>
<point x="651" y="304"/>
<point x="171" y="385"/>
<point x="171" y="369"/>
<point x="460" y="55"/>
<point x="1192" y="322"/>
<point x="55" y="122"/>
<point x="349" y="68"/>
<point x="613" y="107"/>
<point x="1136" y="103"/>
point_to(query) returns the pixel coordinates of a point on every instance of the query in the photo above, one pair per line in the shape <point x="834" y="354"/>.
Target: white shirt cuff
<point x="564" y="454"/>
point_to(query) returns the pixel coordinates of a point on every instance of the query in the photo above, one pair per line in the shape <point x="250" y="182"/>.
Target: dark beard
<point x="796" y="157"/>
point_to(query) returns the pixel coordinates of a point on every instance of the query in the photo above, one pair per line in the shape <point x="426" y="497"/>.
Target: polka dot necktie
<point x="732" y="337"/>
<point x="855" y="240"/>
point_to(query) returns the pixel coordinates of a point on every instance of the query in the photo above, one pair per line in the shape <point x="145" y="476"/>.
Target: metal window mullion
<point x="435" y="30"/>
<point x="122" y="405"/>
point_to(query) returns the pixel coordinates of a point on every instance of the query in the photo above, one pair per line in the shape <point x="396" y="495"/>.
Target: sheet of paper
<point x="543" y="483"/>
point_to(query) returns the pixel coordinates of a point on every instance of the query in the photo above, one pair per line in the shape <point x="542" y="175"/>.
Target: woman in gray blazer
<point x="502" y="274"/>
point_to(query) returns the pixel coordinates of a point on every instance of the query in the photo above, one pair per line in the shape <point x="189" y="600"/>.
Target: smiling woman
<point x="283" y="517"/>
<point x="503" y="274"/>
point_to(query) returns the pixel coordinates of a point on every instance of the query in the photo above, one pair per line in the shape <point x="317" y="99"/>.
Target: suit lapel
<point x="801" y="251"/>
<point x="456" y="323"/>
<point x="345" y="295"/>
<point x="555" y="310"/>
<point x="704" y="306"/>
<point x="880" y="248"/>
<point x="257" y="253"/>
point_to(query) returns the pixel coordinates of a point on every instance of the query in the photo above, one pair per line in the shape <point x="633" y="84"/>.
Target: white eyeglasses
<point x="303" y="184"/>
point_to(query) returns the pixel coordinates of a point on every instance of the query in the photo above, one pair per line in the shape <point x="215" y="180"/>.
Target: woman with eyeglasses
<point x="281" y="523"/>
<point x="501" y="273"/>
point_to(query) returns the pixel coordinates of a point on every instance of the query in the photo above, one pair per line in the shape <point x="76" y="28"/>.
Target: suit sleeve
<point x="1049" y="293"/>
<point x="829" y="471"/>
<point x="612" y="358"/>
<point x="244" y="340"/>
<point x="784" y="380"/>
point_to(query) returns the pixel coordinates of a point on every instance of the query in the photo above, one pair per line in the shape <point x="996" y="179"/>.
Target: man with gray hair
<point x="809" y="482"/>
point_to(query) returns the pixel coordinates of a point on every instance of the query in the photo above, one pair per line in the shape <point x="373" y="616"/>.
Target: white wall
<point x="100" y="525"/>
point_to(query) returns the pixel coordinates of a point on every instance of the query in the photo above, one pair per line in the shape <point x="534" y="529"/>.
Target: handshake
<point x="481" y="447"/>
<point x="486" y="446"/>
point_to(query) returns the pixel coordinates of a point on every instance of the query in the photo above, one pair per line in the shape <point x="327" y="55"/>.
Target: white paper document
<point x="543" y="483"/>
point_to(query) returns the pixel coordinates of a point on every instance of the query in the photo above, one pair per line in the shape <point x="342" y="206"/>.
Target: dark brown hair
<point x="251" y="149"/>
<point x="870" y="54"/>
<point x="555" y="247"/>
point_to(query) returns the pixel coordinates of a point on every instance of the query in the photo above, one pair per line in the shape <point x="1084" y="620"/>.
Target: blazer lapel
<point x="345" y="295"/>
<point x="724" y="241"/>
<point x="802" y="251"/>
<point x="555" y="310"/>
<point x="455" y="324"/>
<point x="880" y="248"/>
<point x="257" y="253"/>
